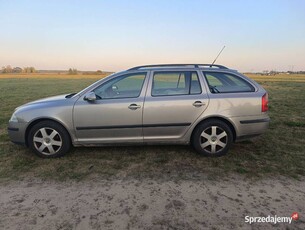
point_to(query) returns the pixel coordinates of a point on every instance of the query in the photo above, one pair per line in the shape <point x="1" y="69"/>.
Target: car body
<point x="154" y="104"/>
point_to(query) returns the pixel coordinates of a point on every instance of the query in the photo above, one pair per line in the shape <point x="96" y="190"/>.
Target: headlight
<point x="14" y="118"/>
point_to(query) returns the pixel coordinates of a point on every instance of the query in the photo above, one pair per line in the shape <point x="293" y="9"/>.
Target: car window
<point x="227" y="83"/>
<point x="175" y="83"/>
<point x="195" y="84"/>
<point x="125" y="86"/>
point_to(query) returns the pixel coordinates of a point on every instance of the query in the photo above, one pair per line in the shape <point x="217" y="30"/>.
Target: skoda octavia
<point x="207" y="106"/>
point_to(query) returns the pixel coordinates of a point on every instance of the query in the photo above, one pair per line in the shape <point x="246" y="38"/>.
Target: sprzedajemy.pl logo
<point x="272" y="219"/>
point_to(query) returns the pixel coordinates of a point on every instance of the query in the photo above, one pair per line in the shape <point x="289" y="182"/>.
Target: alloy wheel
<point x="47" y="141"/>
<point x="213" y="139"/>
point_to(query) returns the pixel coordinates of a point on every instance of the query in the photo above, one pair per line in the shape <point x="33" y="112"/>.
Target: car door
<point x="115" y="115"/>
<point x="173" y="102"/>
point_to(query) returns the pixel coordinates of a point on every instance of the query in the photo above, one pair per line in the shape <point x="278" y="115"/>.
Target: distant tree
<point x="26" y="69"/>
<point x="17" y="70"/>
<point x="72" y="71"/>
<point x="3" y="69"/>
<point x="30" y="69"/>
<point x="99" y="71"/>
<point x="7" y="69"/>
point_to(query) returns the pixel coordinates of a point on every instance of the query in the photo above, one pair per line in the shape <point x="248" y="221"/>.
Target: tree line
<point x="31" y="69"/>
<point x="10" y="69"/>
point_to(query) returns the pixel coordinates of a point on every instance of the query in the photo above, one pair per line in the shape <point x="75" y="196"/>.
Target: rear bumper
<point x="250" y="126"/>
<point x="255" y="121"/>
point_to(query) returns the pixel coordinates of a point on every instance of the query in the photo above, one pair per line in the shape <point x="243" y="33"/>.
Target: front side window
<point x="227" y="83"/>
<point x="125" y="86"/>
<point x="175" y="83"/>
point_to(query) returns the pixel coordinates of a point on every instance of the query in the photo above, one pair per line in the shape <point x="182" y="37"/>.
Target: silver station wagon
<point x="207" y="106"/>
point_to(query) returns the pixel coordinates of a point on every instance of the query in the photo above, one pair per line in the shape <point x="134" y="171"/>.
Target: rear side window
<point x="175" y="83"/>
<point x="227" y="83"/>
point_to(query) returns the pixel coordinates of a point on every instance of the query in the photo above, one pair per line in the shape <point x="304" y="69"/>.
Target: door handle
<point x="134" y="106"/>
<point x="198" y="103"/>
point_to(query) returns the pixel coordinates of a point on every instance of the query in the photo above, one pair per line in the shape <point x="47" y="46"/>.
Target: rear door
<point x="173" y="102"/>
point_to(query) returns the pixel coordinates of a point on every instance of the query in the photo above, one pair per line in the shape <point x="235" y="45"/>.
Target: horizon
<point x="113" y="36"/>
<point x="47" y="71"/>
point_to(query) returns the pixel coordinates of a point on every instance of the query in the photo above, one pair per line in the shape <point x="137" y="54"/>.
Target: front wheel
<point x="212" y="138"/>
<point x="49" y="139"/>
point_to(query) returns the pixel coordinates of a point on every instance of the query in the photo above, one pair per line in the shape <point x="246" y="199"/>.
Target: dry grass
<point x="278" y="152"/>
<point x="278" y="78"/>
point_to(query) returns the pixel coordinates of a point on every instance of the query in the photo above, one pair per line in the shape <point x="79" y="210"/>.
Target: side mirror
<point x="90" y="96"/>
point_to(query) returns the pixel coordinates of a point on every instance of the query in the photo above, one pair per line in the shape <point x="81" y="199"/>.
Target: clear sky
<point x="114" y="35"/>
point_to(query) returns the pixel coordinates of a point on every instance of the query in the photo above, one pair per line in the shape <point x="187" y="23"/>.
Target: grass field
<point x="281" y="151"/>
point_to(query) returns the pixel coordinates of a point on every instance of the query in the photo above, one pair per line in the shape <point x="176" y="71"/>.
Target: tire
<point x="48" y="139"/>
<point x="212" y="138"/>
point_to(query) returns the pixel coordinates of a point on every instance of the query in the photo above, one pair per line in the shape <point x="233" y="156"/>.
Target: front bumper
<point x="16" y="132"/>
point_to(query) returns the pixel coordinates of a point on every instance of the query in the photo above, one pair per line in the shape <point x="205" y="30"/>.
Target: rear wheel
<point x="212" y="138"/>
<point x="49" y="139"/>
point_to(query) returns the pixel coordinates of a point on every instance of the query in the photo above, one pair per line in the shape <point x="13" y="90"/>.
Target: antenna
<point x="217" y="56"/>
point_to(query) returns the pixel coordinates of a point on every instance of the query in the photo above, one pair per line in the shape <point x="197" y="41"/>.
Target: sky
<point x="115" y="35"/>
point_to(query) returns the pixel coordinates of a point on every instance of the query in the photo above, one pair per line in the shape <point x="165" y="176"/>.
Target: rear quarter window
<point x="227" y="83"/>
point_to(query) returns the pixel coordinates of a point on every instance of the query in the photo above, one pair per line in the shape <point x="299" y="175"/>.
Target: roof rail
<point x="179" y="65"/>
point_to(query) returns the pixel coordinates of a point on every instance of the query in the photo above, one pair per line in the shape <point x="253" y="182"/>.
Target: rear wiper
<point x="214" y="89"/>
<point x="70" y="95"/>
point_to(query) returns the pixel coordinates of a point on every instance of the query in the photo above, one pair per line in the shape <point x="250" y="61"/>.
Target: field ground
<point x="154" y="187"/>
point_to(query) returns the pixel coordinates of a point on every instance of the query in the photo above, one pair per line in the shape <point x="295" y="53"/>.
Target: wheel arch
<point x="36" y="121"/>
<point x="225" y="120"/>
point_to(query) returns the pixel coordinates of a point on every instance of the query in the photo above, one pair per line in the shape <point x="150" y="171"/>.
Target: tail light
<point x="265" y="102"/>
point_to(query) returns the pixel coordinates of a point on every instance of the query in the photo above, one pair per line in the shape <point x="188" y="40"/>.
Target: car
<point x="205" y="105"/>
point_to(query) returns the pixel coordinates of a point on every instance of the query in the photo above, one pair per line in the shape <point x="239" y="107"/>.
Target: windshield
<point x="95" y="83"/>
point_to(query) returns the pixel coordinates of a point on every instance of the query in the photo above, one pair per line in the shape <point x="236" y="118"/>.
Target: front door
<point x="115" y="115"/>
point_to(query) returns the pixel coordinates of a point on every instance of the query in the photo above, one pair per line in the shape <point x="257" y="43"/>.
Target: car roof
<point x="173" y="67"/>
<point x="178" y="66"/>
